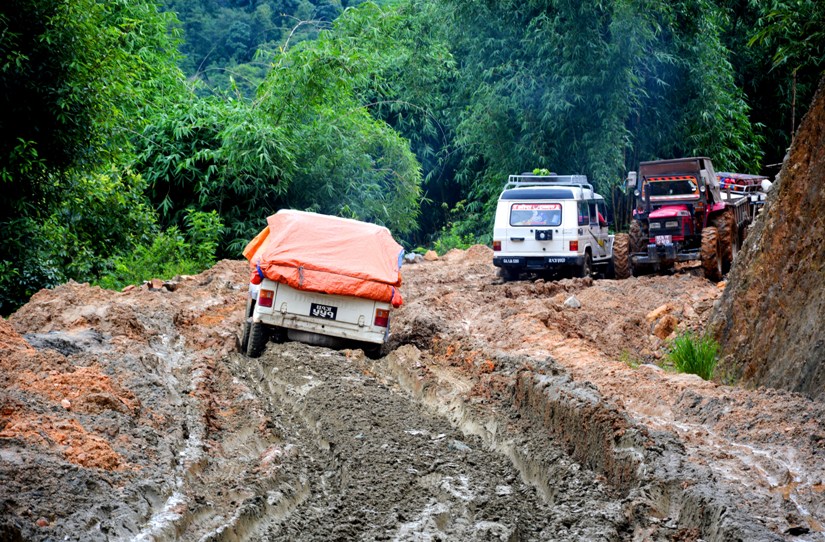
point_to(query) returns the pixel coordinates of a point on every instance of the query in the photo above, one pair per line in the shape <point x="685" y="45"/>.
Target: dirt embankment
<point x="501" y="414"/>
<point x="770" y="319"/>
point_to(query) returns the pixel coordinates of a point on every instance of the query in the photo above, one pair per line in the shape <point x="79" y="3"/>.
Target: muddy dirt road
<point x="501" y="413"/>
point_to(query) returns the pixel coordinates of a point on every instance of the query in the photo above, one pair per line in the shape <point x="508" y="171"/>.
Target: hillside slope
<point x="768" y="321"/>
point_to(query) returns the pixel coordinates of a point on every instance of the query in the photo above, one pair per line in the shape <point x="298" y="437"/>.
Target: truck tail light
<point x="382" y="317"/>
<point x="265" y="298"/>
<point x="574" y="246"/>
<point x="496" y="246"/>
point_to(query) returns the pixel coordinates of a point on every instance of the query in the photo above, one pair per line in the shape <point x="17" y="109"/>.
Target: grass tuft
<point x="694" y="354"/>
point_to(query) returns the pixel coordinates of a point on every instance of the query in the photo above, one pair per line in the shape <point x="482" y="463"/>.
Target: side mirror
<point x="631" y="179"/>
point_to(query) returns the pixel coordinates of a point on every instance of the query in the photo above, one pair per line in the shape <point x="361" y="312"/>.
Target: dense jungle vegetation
<point x="140" y="139"/>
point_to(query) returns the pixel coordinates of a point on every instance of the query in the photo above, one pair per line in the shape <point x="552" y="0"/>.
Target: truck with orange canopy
<point x="323" y="280"/>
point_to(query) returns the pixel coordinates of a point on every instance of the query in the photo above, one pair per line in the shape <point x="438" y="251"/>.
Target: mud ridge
<point x="664" y="496"/>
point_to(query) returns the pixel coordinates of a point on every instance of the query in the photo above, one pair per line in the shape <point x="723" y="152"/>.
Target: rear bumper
<point x="342" y="330"/>
<point x="538" y="263"/>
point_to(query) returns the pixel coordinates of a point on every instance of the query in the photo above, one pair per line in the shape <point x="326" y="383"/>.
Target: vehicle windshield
<point x="672" y="186"/>
<point x="535" y="214"/>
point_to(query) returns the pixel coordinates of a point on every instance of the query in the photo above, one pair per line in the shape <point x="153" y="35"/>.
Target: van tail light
<point x="382" y="317"/>
<point x="496" y="246"/>
<point x="265" y="298"/>
<point x="574" y="246"/>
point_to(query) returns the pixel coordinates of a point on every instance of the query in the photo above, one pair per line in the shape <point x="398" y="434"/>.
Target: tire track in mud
<point x="371" y="461"/>
<point x="663" y="496"/>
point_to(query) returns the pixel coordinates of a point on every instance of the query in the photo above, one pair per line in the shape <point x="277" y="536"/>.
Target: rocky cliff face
<point x="770" y="318"/>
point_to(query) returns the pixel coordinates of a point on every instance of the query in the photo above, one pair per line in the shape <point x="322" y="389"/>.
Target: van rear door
<point x="534" y="228"/>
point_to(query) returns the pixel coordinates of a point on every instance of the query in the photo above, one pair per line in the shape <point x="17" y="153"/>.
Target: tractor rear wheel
<point x="711" y="253"/>
<point x="621" y="256"/>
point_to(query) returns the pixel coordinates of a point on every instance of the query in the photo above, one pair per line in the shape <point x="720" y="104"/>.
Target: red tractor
<point x="680" y="215"/>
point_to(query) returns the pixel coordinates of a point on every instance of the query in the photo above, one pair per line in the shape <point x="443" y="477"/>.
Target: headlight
<point x="671" y="224"/>
<point x="655" y="226"/>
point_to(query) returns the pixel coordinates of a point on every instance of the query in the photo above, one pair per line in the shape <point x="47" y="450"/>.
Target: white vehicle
<point x="280" y="312"/>
<point x="321" y="280"/>
<point x="552" y="224"/>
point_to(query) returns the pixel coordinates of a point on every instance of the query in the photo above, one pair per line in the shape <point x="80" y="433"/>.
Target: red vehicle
<point x="680" y="215"/>
<point x="744" y="185"/>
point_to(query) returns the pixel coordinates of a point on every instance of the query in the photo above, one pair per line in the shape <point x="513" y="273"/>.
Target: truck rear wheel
<point x="375" y="351"/>
<point x="247" y="323"/>
<point x="258" y="336"/>
<point x="711" y="253"/>
<point x="728" y="238"/>
<point x="621" y="256"/>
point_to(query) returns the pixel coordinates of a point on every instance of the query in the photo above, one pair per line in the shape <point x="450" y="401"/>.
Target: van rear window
<point x="535" y="214"/>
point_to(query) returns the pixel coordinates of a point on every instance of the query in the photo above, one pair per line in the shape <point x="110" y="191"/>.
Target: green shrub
<point x="169" y="254"/>
<point x="460" y="231"/>
<point x="452" y="238"/>
<point x="694" y="354"/>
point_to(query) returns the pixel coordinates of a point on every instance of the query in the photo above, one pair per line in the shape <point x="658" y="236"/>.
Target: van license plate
<point x="323" y="311"/>
<point x="664" y="239"/>
<point x="516" y="261"/>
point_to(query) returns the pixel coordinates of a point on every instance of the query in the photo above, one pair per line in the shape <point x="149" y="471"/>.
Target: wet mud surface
<point x="499" y="414"/>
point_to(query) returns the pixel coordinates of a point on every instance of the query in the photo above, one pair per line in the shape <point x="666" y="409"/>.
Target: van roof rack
<point x="528" y="179"/>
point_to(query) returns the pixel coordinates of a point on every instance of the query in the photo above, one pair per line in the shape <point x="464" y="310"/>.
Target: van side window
<point x="594" y="219"/>
<point x="584" y="215"/>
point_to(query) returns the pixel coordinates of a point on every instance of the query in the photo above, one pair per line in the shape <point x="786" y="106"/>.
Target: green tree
<point x="307" y="141"/>
<point x="779" y="58"/>
<point x="76" y="79"/>
<point x="590" y="88"/>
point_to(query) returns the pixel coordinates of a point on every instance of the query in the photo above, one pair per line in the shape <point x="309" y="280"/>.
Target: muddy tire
<point x="375" y="351"/>
<point x="711" y="254"/>
<point x="610" y="270"/>
<point x="621" y="256"/>
<point x="586" y="270"/>
<point x="247" y="323"/>
<point x="638" y="242"/>
<point x="508" y="274"/>
<point x="728" y="238"/>
<point x="258" y="336"/>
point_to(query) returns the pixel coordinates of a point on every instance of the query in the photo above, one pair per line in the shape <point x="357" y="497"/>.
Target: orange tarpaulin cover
<point x="327" y="254"/>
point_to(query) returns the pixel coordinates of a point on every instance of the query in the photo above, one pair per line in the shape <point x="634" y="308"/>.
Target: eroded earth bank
<point x="500" y="413"/>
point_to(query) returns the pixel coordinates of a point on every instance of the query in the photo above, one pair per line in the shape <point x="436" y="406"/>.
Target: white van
<point x="551" y="224"/>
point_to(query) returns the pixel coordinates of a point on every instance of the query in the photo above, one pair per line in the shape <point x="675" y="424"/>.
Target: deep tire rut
<point x="379" y="463"/>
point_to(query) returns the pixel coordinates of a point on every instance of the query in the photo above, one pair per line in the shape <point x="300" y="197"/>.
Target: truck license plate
<point x="664" y="239"/>
<point x="323" y="311"/>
